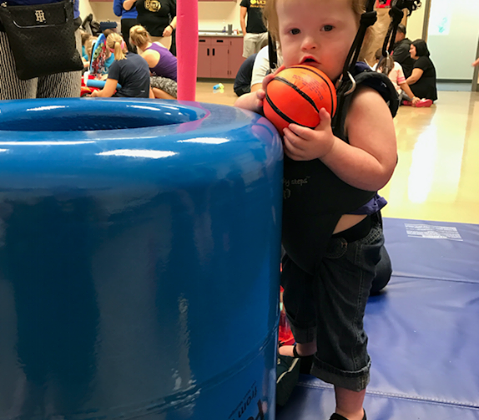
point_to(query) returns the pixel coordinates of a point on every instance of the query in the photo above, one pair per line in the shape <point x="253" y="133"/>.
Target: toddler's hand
<point x="271" y="76"/>
<point x="303" y="143"/>
<point x="254" y="101"/>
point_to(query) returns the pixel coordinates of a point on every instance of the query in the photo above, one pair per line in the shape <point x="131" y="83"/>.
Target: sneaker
<point x="337" y="416"/>
<point x="407" y="103"/>
<point x="424" y="103"/>
<point x="287" y="376"/>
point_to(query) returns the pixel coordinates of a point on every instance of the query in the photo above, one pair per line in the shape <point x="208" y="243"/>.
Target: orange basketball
<point x="296" y="95"/>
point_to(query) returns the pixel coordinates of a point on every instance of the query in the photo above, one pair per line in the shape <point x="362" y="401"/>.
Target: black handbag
<point x="42" y="38"/>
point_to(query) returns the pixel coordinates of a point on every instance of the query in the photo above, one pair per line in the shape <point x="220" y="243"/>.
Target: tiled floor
<point x="437" y="177"/>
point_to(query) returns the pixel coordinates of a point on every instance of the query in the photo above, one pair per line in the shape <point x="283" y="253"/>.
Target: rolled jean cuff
<point x="302" y="335"/>
<point x="354" y="381"/>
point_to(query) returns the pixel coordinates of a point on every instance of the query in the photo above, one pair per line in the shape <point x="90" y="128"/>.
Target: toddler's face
<point x="317" y="33"/>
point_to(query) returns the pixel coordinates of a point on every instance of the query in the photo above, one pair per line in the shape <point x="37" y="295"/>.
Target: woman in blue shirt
<point x="127" y="11"/>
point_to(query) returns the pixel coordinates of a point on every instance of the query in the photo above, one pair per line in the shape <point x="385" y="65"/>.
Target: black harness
<point x="314" y="197"/>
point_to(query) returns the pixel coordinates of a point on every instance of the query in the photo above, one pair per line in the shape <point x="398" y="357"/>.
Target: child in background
<point x="162" y="63"/>
<point x="394" y="71"/>
<point x="129" y="70"/>
<point x="325" y="297"/>
<point x="85" y="37"/>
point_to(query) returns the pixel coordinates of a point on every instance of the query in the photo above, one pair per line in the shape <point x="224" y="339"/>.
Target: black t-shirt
<point x="155" y="15"/>
<point x="133" y="75"/>
<point x="402" y="56"/>
<point x="425" y="87"/>
<point x="254" y="21"/>
<point x="245" y="73"/>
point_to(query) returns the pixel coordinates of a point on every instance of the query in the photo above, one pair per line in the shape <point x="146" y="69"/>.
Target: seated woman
<point x="423" y="77"/>
<point x="394" y="71"/>
<point x="129" y="70"/>
<point x="162" y="63"/>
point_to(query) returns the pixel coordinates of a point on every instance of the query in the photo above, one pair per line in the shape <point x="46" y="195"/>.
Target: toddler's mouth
<point x="309" y="60"/>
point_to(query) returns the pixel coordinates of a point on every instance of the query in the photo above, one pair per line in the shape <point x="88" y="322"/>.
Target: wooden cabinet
<point x="219" y="57"/>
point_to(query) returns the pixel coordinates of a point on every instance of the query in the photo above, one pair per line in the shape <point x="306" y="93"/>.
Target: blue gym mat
<point x="423" y="331"/>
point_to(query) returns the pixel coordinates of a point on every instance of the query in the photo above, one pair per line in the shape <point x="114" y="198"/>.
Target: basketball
<point x="296" y="95"/>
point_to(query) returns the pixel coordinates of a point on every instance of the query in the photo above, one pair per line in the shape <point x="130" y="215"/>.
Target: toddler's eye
<point x="327" y="28"/>
<point x="295" y="31"/>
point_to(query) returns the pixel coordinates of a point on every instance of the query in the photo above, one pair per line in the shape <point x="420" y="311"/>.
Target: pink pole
<point x="187" y="48"/>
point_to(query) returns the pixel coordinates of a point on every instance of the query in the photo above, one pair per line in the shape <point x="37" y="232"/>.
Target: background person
<point x="158" y="17"/>
<point x="59" y="85"/>
<point x="401" y="51"/>
<point x="255" y="34"/>
<point x="423" y="77"/>
<point x="394" y="71"/>
<point x="127" y="11"/>
<point x="262" y="67"/>
<point x="129" y="70"/>
<point x="161" y="62"/>
<point x="242" y="84"/>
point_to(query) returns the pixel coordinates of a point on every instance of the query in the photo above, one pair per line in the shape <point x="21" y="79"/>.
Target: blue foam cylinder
<point x="139" y="260"/>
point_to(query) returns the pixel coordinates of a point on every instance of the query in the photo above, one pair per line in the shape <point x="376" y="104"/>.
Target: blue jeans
<point x="329" y="307"/>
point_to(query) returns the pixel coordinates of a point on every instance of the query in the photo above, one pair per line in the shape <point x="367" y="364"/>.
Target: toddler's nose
<point x="309" y="43"/>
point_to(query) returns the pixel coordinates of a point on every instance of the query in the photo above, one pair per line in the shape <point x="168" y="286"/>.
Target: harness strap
<point x="346" y="84"/>
<point x="272" y="53"/>
<point x="397" y="14"/>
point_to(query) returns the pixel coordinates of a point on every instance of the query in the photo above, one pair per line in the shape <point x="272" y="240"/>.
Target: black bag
<point x="42" y="38"/>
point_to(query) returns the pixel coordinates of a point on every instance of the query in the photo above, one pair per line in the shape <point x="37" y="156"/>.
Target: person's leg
<point x="260" y="41"/>
<point x="343" y="284"/>
<point x="163" y="40"/>
<point x="161" y="94"/>
<point x="298" y="300"/>
<point x="383" y="273"/>
<point x="347" y="403"/>
<point x="61" y="85"/>
<point x="248" y="45"/>
<point x="164" y="88"/>
<point x="242" y="90"/>
<point x="384" y="268"/>
<point x="11" y="87"/>
<point x="126" y="25"/>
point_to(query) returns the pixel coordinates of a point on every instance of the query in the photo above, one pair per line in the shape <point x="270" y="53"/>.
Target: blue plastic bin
<point x="139" y="260"/>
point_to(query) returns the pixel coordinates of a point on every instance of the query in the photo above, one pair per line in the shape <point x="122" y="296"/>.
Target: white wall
<point x="211" y="15"/>
<point x="415" y="23"/>
<point x="452" y="37"/>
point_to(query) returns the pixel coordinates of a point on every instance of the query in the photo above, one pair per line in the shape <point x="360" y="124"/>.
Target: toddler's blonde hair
<point x="115" y="42"/>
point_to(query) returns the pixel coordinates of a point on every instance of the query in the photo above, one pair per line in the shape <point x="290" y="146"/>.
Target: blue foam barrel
<point x="139" y="259"/>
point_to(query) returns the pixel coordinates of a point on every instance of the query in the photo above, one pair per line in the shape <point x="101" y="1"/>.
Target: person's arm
<point x="260" y="69"/>
<point x="368" y="161"/>
<point x="243" y="11"/>
<point x="401" y="81"/>
<point x="405" y="87"/>
<point x="117" y="9"/>
<point x="128" y="4"/>
<point x="253" y="101"/>
<point x="401" y="53"/>
<point x="107" y="91"/>
<point x="170" y="28"/>
<point x="151" y="57"/>
<point x="476" y="63"/>
<point x="415" y="76"/>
